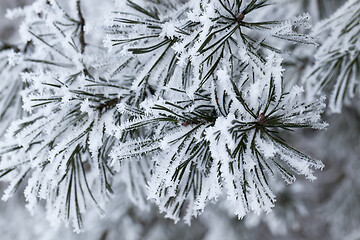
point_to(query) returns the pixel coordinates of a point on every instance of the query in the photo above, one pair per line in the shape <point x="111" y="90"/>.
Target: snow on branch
<point x="337" y="61"/>
<point x="186" y="106"/>
<point x="225" y="140"/>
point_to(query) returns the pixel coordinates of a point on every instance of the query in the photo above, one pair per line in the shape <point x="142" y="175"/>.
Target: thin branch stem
<point x="82" y="26"/>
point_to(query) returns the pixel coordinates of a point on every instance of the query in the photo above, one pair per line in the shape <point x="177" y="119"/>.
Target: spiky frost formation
<point x="188" y="107"/>
<point x="61" y="148"/>
<point x="337" y="65"/>
<point x="226" y="139"/>
<point x="182" y="45"/>
<point x="11" y="84"/>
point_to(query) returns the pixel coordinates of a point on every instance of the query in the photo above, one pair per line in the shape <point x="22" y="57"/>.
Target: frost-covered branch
<point x="337" y="65"/>
<point x="226" y="139"/>
<point x="188" y="106"/>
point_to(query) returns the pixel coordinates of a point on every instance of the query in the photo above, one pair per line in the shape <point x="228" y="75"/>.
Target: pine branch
<point x="228" y="142"/>
<point x="189" y="106"/>
<point x="178" y="38"/>
<point x="337" y="64"/>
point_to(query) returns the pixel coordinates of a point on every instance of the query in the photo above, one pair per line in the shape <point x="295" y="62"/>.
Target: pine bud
<point x="240" y="17"/>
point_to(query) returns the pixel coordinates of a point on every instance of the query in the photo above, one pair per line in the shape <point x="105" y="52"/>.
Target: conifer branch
<point x="188" y="107"/>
